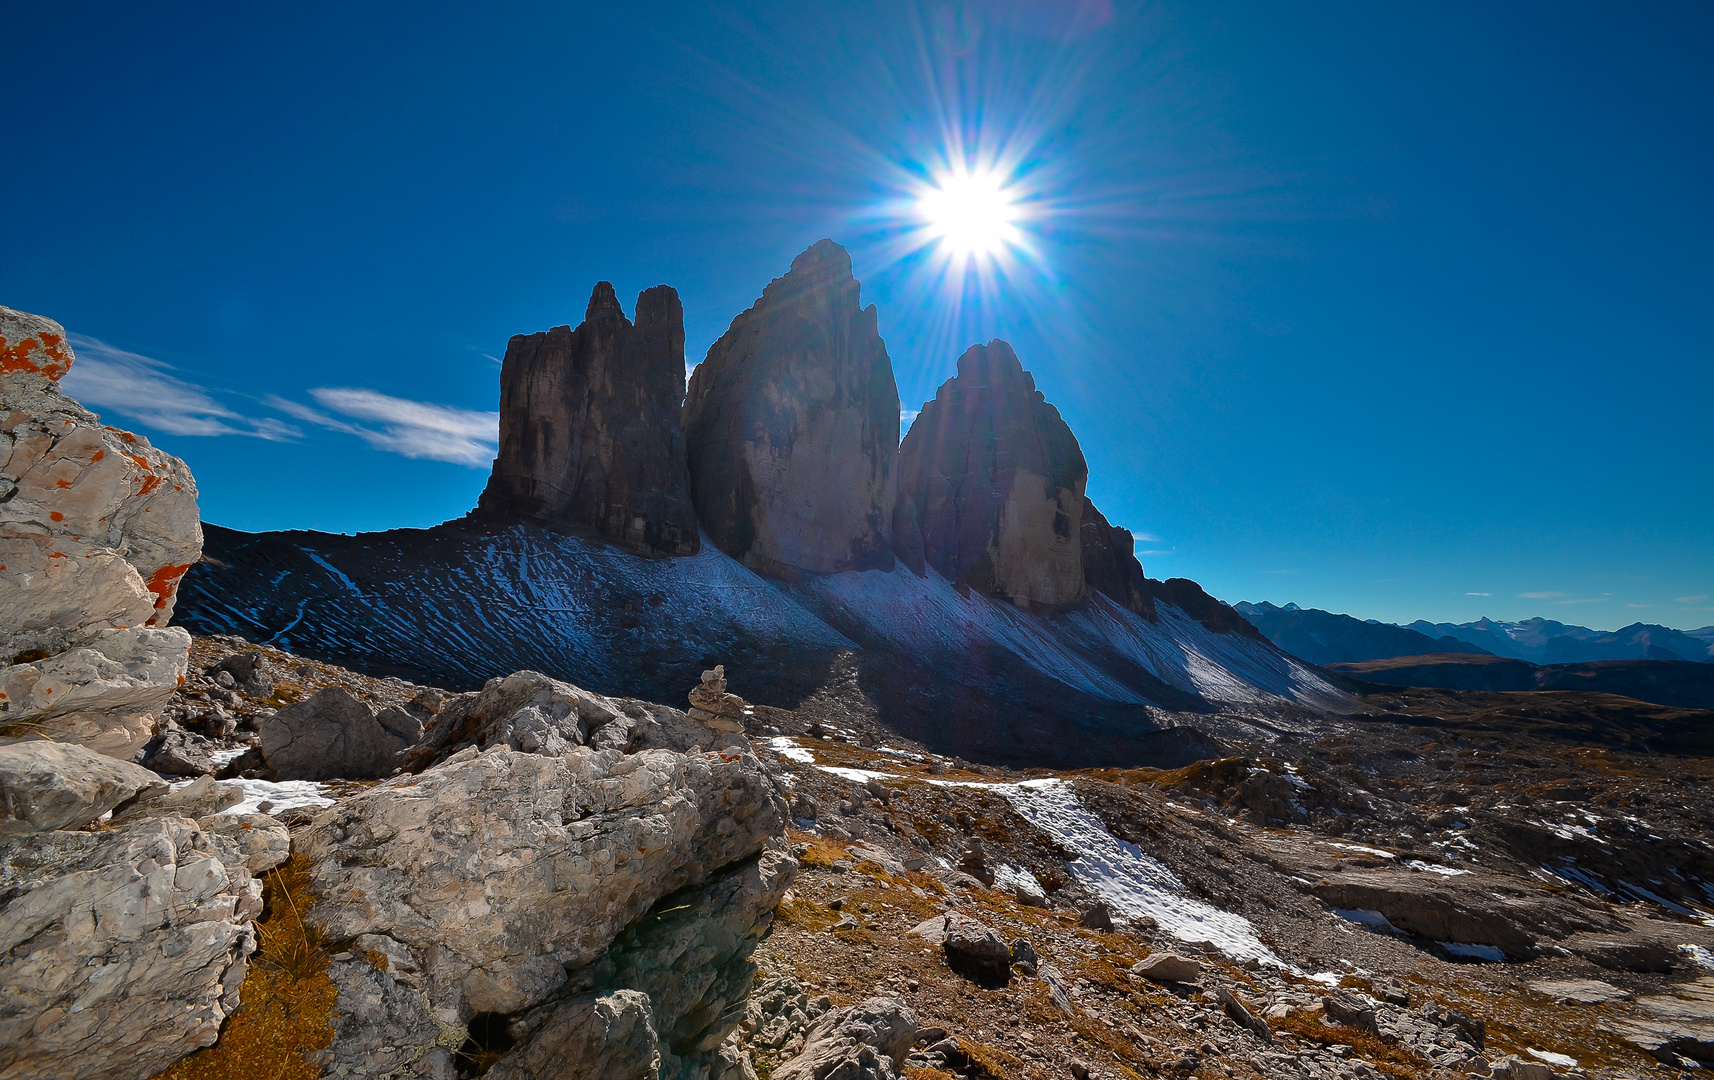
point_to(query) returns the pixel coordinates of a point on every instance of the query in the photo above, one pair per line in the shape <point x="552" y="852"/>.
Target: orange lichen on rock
<point x="163" y="581"/>
<point x="53" y="361"/>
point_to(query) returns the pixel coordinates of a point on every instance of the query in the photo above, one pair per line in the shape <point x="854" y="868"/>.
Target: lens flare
<point x="971" y="213"/>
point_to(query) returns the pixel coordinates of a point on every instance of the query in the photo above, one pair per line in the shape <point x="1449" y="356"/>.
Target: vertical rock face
<point x="1110" y="565"/>
<point x="96" y="529"/>
<point x="792" y="425"/>
<point x="589" y="427"/>
<point x="991" y="485"/>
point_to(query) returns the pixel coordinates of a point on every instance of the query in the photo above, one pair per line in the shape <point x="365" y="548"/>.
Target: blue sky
<point x="1396" y="310"/>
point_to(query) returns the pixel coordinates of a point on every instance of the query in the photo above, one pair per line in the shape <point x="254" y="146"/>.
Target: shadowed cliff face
<point x="991" y="485"/>
<point x="589" y="434"/>
<point x="792" y="425"/>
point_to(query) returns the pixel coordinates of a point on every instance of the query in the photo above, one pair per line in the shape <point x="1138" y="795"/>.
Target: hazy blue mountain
<point x="1545" y="641"/>
<point x="1322" y="637"/>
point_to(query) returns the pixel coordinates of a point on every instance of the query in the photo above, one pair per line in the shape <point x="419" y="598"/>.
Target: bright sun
<point x="971" y="212"/>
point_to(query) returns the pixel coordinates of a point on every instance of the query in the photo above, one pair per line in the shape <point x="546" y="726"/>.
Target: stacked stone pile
<point x="713" y="707"/>
<point x="96" y="528"/>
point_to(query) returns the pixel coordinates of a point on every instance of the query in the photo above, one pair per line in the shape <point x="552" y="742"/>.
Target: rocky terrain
<point x="1006" y="809"/>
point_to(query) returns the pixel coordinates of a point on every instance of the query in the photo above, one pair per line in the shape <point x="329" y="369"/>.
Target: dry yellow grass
<point x="287" y="997"/>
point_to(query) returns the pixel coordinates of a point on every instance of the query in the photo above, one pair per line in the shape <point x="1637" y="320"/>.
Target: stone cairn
<point x="712" y="707"/>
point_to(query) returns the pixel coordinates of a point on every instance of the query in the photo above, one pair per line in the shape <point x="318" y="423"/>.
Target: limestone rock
<point x="177" y="752"/>
<point x="866" y="1041"/>
<point x="32" y="345"/>
<point x="792" y="426"/>
<point x="96" y="529"/>
<point x="991" y="486"/>
<point x="330" y="736"/>
<point x="1166" y="967"/>
<point x="712" y="707"/>
<point x="263" y="842"/>
<point x="589" y="427"/>
<point x="249" y="671"/>
<point x="690" y="964"/>
<point x="507" y="881"/>
<point x="1459" y="910"/>
<point x="120" y="951"/>
<point x="1110" y="564"/>
<point x="48" y="785"/>
<point x="200" y="798"/>
<point x="530" y="712"/>
<point x="1672" y="1026"/>
<point x="976" y="951"/>
<point x="1622" y="952"/>
<point x="105" y="694"/>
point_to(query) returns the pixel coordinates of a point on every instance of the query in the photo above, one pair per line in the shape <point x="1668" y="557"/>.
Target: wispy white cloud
<point x="1691" y="599"/>
<point x="414" y="429"/>
<point x="1158" y="551"/>
<point x="143" y="389"/>
<point x="1585" y="600"/>
<point x="1478" y="594"/>
<point x="1639" y="605"/>
<point x="1540" y="595"/>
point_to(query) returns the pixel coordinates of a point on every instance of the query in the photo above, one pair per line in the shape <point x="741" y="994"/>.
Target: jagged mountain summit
<point x="589" y="435"/>
<point x="1016" y="622"/>
<point x="792" y="426"/>
<point x="991" y="486"/>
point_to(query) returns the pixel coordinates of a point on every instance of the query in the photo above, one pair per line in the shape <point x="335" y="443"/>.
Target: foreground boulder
<point x="791" y="424"/>
<point x="596" y="905"/>
<point x="866" y="1041"/>
<point x="120" y="951"/>
<point x="96" y="529"/>
<point x="991" y="486"/>
<point x="47" y="785"/>
<point x="589" y="427"/>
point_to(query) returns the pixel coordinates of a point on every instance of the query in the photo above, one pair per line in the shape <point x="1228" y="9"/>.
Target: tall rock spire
<point x="991" y="485"/>
<point x="792" y="426"/>
<point x="589" y="427"/>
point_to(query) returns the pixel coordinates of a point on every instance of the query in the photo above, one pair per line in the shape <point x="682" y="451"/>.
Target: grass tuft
<point x="287" y="995"/>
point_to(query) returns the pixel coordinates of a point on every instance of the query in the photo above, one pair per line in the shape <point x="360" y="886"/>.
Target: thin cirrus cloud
<point x="144" y="389"/>
<point x="1691" y="599"/>
<point x="1478" y="594"/>
<point x="1540" y="595"/>
<point x="413" y="429"/>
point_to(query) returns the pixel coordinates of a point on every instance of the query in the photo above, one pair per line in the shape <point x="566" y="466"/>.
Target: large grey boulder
<point x="536" y="714"/>
<point x="120" y="951"/>
<point x="791" y="424"/>
<point x="96" y="529"/>
<point x="589" y="427"/>
<point x="522" y="884"/>
<point x="866" y="1041"/>
<point x="991" y="486"/>
<point x="1168" y="967"/>
<point x="48" y="785"/>
<point x="975" y="950"/>
<point x="330" y="736"/>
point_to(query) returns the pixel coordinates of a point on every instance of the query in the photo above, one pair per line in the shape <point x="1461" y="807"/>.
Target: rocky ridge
<point x="792" y="424"/>
<point x="589" y="428"/>
<point x="991" y="486"/>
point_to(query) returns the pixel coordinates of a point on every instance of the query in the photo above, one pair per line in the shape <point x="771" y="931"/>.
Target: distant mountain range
<point x="1323" y="637"/>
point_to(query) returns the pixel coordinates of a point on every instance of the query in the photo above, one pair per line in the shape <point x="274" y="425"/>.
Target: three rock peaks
<point x="785" y="452"/>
